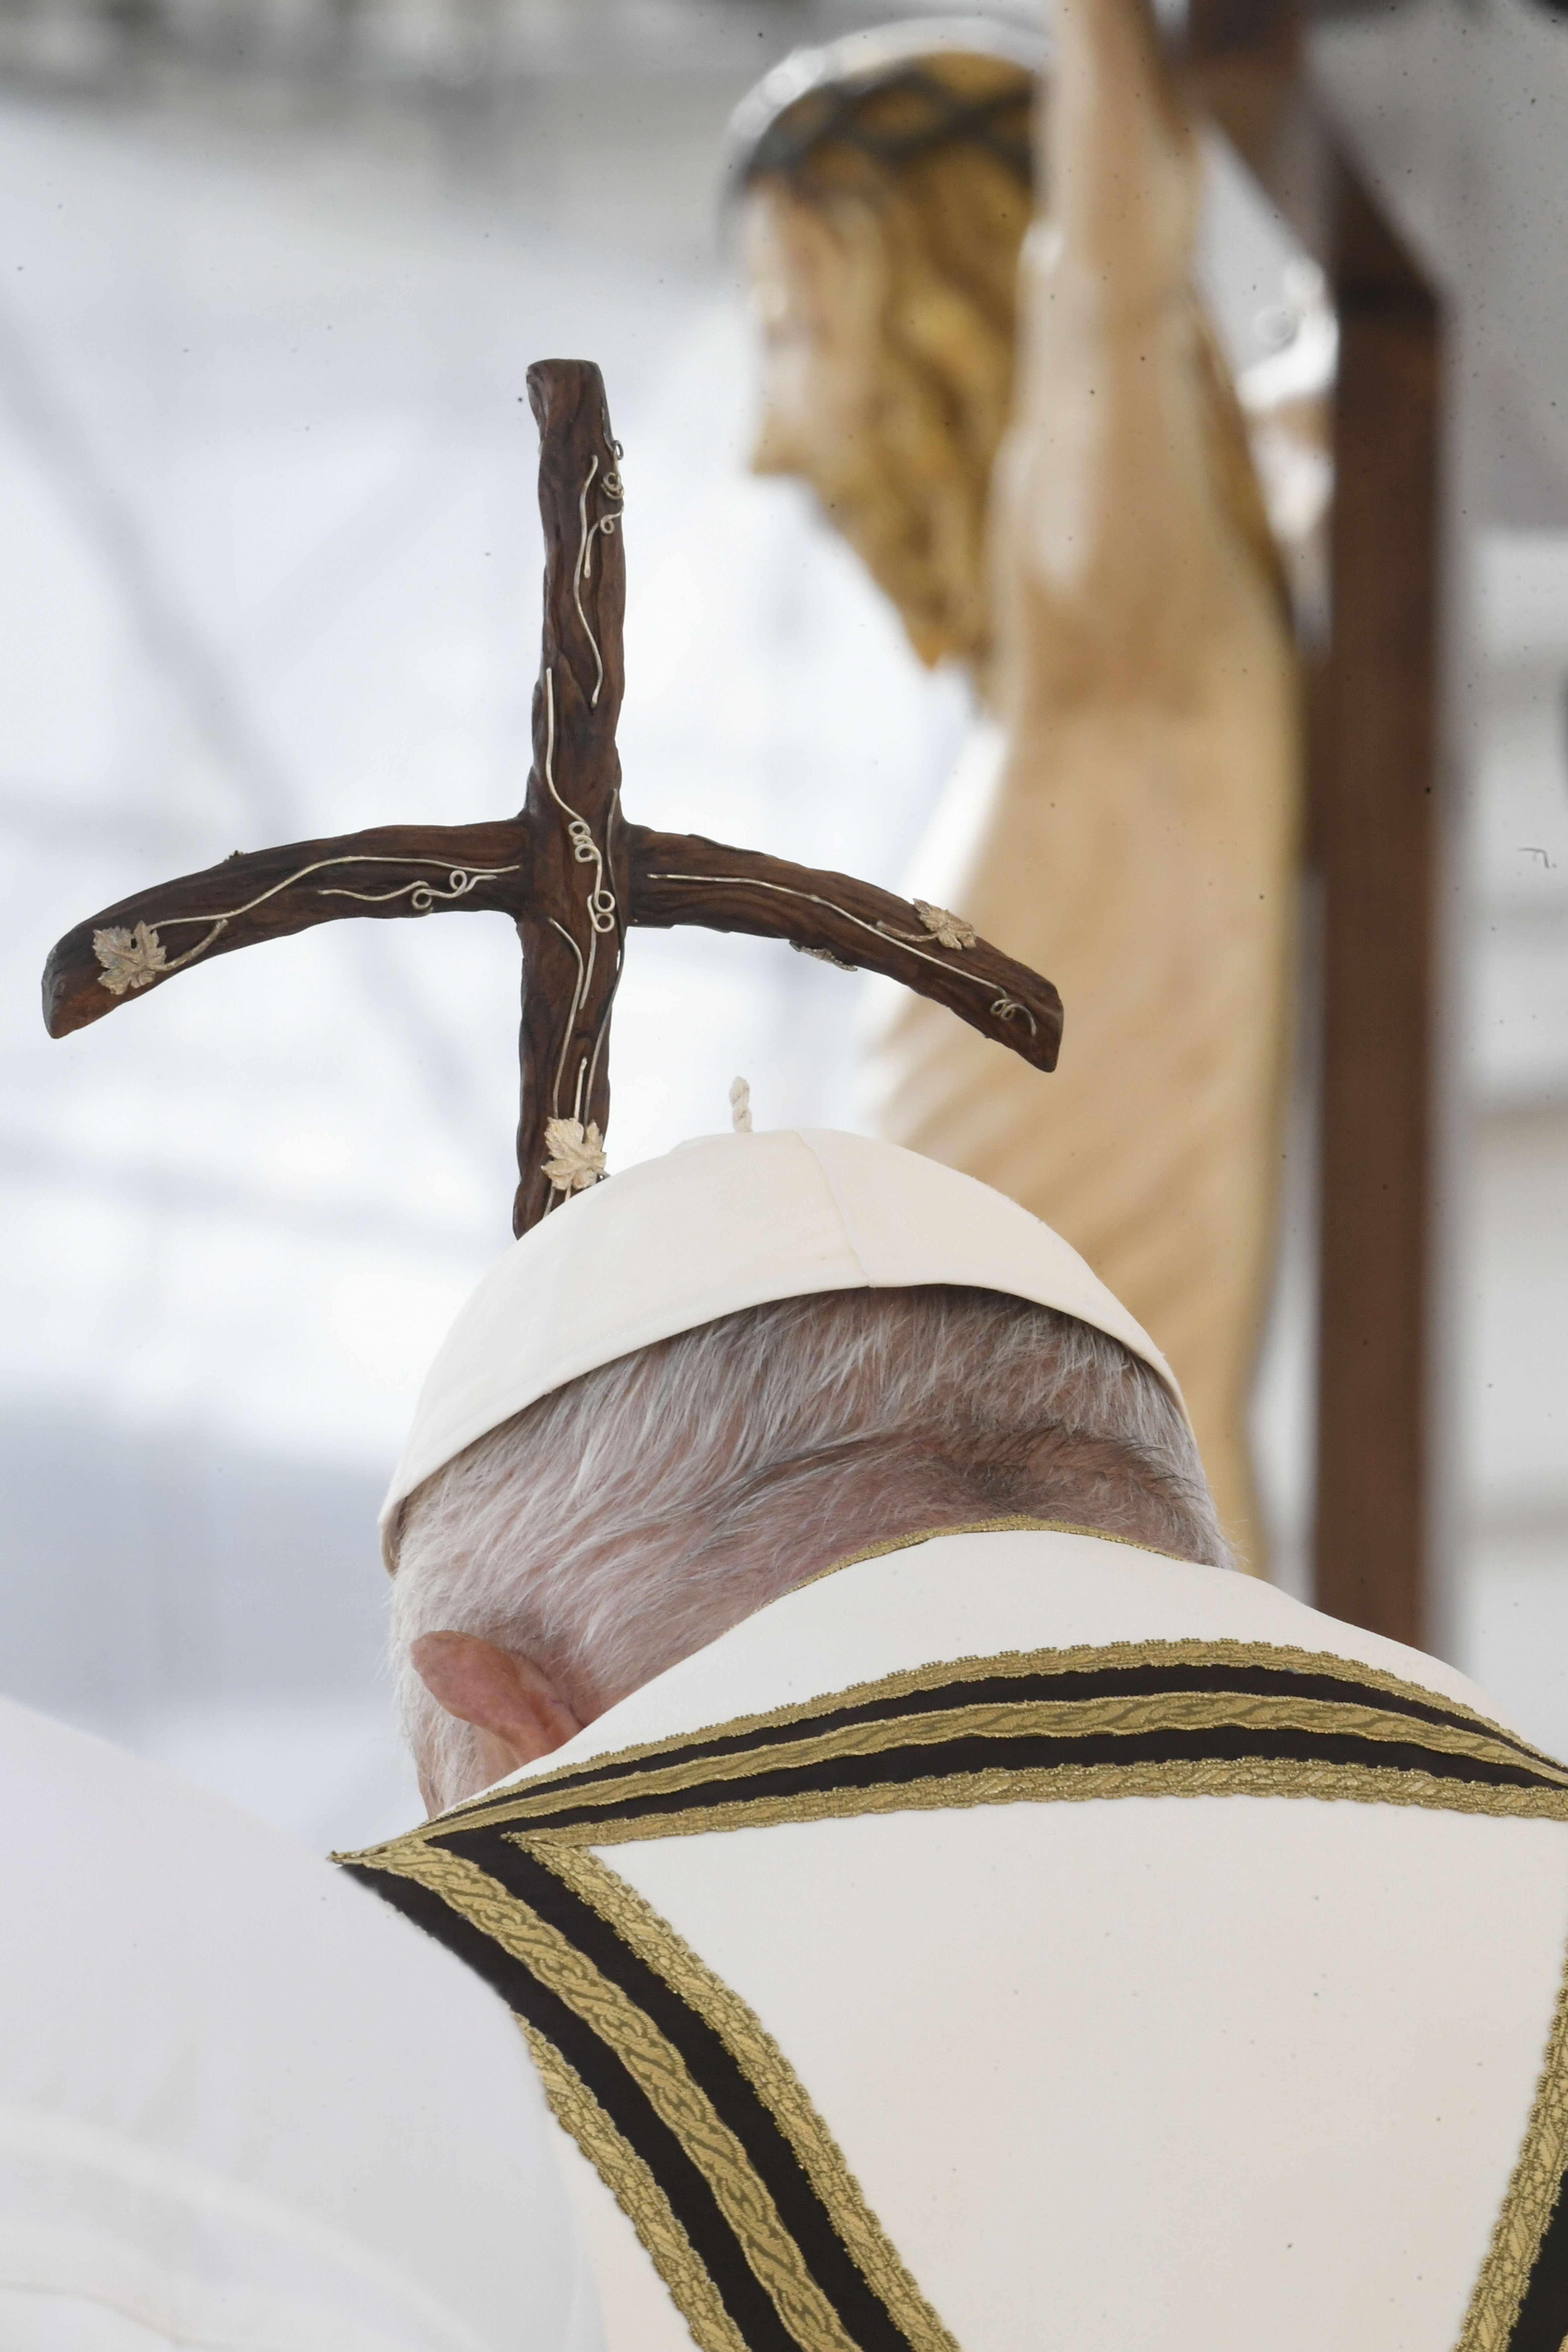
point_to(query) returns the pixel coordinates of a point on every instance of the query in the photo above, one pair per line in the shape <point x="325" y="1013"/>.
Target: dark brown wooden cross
<point x="570" y="870"/>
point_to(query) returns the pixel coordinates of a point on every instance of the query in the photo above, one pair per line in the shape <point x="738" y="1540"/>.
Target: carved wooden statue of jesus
<point x="570" y="870"/>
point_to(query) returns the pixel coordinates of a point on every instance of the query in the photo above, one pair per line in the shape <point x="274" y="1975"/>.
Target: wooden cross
<point x="570" y="870"/>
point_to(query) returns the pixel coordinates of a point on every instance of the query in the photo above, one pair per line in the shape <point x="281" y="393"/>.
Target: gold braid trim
<point x="655" y="2065"/>
<point x="770" y="2075"/>
<point x="1528" y="2203"/>
<point x="1179" y="1713"/>
<point x="516" y="1800"/>
<point x="638" y="2195"/>
<point x="1071" y="1784"/>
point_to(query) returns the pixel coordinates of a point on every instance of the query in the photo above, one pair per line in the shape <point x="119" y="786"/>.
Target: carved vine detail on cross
<point x="569" y="871"/>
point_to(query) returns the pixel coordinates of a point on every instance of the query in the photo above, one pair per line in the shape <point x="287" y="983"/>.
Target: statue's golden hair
<point x="944" y="215"/>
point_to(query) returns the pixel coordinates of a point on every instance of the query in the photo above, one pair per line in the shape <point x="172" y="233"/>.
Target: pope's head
<point x="883" y="192"/>
<point x="709" y="1378"/>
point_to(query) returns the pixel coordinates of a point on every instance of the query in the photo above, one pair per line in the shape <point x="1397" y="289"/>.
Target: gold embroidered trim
<point x="765" y="2067"/>
<point x="521" y="1813"/>
<point x="1070" y="1784"/>
<point x="1178" y="1713"/>
<point x="1528" y="2204"/>
<point x="522" y="1800"/>
<point x="656" y="2066"/>
<point x="638" y="2195"/>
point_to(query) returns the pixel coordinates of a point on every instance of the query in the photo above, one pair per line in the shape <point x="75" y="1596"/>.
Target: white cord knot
<point x="740" y="1105"/>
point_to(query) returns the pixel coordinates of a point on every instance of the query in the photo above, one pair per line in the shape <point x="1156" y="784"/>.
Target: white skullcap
<point x="722" y="1222"/>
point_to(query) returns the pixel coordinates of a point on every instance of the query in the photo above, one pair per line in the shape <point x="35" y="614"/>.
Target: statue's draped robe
<point x="1019" y="1938"/>
<point x="1144" y="857"/>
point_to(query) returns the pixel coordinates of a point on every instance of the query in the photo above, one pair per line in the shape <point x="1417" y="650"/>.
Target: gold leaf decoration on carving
<point x="129" y="959"/>
<point x="576" y="1154"/>
<point x="947" y="930"/>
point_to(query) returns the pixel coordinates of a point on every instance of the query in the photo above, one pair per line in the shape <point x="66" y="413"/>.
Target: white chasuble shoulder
<point x="1023" y="1939"/>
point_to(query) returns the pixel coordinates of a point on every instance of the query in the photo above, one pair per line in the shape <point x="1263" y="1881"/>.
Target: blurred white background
<point x="269" y="281"/>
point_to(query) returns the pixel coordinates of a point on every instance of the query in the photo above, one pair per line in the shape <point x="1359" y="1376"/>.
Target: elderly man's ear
<point x="516" y="1710"/>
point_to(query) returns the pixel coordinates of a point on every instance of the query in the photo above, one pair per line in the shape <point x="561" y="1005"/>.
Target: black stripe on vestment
<point x="716" y="2071"/>
<point x="864" y="2318"/>
<point x="908" y="1766"/>
<point x="1174" y="1727"/>
<point x="1146" y="1681"/>
<point x="689" y="2195"/>
<point x="1542" y="2321"/>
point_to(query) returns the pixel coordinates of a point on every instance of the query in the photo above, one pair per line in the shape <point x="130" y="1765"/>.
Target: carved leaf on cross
<point x="576" y="1154"/>
<point x="947" y="929"/>
<point x="129" y="959"/>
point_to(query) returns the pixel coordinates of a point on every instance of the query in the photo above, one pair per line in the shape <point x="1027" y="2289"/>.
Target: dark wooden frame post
<point x="1373" y="832"/>
<point x="1376" y="824"/>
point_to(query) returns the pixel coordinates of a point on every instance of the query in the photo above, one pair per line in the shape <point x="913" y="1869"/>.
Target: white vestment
<point x="1180" y="2071"/>
<point x="242" y="2106"/>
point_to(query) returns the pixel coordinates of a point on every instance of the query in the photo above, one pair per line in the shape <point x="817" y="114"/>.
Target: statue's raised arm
<point x="1124" y="476"/>
<point x="971" y="267"/>
<point x="1124" y="496"/>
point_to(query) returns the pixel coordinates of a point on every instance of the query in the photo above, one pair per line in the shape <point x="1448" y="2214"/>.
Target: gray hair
<point x="625" y="1520"/>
